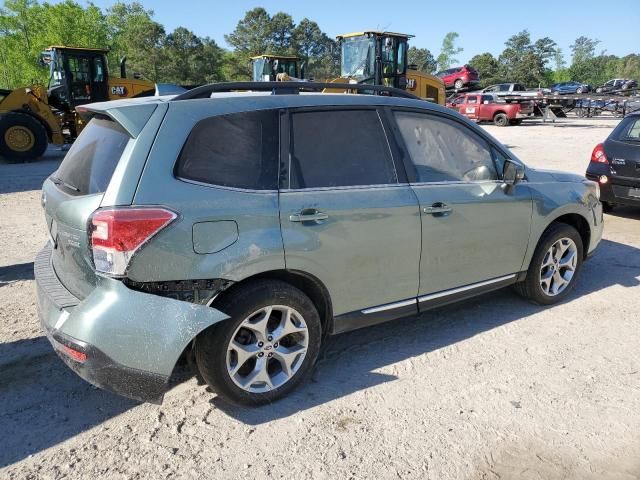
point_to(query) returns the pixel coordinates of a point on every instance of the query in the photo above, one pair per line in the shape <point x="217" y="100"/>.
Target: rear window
<point x="239" y="150"/>
<point x="89" y="164"/>
<point x="630" y="130"/>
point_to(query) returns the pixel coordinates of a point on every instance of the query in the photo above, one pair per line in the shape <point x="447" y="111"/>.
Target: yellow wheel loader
<point x="276" y="68"/>
<point x="32" y="117"/>
<point x="380" y="58"/>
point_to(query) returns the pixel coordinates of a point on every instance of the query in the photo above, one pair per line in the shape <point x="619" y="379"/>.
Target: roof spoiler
<point x="129" y="115"/>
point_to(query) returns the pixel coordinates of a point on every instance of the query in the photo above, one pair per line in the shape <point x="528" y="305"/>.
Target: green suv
<point x="242" y="228"/>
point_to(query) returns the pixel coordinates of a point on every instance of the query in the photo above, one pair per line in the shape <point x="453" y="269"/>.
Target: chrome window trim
<point x="223" y="187"/>
<point x="456" y="182"/>
<point x="389" y="306"/>
<point x="345" y="187"/>
<point x="445" y="293"/>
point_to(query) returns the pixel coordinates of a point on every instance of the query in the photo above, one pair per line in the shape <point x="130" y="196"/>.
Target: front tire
<point x="267" y="347"/>
<point x="554" y="266"/>
<point x="579" y="91"/>
<point x="22" y="137"/>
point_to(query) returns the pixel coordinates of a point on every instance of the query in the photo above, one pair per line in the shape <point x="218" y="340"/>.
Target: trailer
<point x="552" y="106"/>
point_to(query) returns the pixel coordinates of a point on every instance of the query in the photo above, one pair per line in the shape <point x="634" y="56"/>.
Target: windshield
<point x="358" y="57"/>
<point x="266" y="69"/>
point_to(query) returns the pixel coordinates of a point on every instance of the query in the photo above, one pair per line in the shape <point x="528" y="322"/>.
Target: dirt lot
<point x="493" y="388"/>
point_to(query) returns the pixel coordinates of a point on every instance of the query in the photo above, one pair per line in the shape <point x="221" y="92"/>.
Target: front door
<point x="347" y="215"/>
<point x="87" y="76"/>
<point x="474" y="229"/>
<point x="471" y="107"/>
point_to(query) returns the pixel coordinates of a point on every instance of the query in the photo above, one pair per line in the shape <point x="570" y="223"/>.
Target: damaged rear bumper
<point x="118" y="339"/>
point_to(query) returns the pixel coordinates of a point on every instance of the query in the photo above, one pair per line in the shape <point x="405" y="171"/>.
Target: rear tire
<point x="501" y="119"/>
<point x="458" y="84"/>
<point x="248" y="359"/>
<point x="22" y="137"/>
<point x="547" y="273"/>
<point x="579" y="91"/>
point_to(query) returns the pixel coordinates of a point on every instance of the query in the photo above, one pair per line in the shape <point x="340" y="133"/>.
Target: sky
<point x="483" y="26"/>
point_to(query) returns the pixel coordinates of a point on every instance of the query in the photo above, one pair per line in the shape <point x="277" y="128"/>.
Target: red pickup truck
<point x="489" y="108"/>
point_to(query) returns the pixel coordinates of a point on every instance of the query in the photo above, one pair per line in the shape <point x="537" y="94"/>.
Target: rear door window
<point x="340" y="148"/>
<point x="239" y="150"/>
<point x="89" y="164"/>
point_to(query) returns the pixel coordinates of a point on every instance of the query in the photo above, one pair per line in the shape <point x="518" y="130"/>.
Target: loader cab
<point x="267" y="67"/>
<point x="377" y="58"/>
<point x="76" y="76"/>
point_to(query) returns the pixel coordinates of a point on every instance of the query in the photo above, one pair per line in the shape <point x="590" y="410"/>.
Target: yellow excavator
<point x="276" y="68"/>
<point x="32" y="117"/>
<point x="380" y="58"/>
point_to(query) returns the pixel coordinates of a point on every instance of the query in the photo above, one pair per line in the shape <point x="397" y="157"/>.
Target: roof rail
<point x="289" y="88"/>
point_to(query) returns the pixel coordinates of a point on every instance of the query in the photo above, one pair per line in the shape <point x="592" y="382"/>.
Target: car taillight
<point x="117" y="233"/>
<point x="598" y="155"/>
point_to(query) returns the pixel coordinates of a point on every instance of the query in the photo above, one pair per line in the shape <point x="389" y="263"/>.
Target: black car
<point x="615" y="164"/>
<point x="617" y="84"/>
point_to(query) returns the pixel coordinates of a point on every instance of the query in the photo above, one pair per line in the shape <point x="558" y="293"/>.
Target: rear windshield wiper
<point x="59" y="181"/>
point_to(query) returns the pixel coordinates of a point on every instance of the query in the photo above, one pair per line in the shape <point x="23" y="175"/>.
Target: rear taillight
<point x="117" y="233"/>
<point x="598" y="155"/>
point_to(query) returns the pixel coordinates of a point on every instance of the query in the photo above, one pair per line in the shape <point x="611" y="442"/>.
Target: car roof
<point x="133" y="113"/>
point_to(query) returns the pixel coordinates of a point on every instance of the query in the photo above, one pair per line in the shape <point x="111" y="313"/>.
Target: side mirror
<point x="512" y="172"/>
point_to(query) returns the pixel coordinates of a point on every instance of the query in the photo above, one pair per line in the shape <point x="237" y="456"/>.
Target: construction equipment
<point x="380" y="58"/>
<point x="276" y="68"/>
<point x="31" y="117"/>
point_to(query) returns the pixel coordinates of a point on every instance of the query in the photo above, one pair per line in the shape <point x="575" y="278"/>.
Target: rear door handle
<point x="311" y="216"/>
<point x="438" y="209"/>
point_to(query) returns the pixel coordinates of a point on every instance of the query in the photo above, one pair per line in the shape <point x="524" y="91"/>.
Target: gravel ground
<point x="493" y="388"/>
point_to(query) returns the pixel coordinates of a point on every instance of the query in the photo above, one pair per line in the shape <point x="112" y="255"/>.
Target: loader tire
<point x="22" y="137"/>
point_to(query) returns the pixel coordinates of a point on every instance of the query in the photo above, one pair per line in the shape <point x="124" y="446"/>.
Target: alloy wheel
<point x="267" y="348"/>
<point x="558" y="266"/>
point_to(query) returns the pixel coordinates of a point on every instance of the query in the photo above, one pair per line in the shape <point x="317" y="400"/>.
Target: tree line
<point x="181" y="56"/>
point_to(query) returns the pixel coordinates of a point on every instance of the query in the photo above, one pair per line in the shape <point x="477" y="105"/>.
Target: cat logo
<point x="411" y="83"/>
<point x="119" y="90"/>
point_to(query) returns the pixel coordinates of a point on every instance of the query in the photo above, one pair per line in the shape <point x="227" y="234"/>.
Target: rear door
<point x="473" y="228"/>
<point x="347" y="215"/>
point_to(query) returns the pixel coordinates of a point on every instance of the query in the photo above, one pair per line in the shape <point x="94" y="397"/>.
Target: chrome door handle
<point x="438" y="209"/>
<point x="313" y="216"/>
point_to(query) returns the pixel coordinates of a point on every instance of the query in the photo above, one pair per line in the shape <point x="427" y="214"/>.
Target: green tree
<point x="253" y="34"/>
<point x="449" y="51"/>
<point x="137" y="36"/>
<point x="525" y="62"/>
<point x="191" y="59"/>
<point x="422" y="58"/>
<point x="282" y="32"/>
<point x="316" y="50"/>
<point x="488" y="68"/>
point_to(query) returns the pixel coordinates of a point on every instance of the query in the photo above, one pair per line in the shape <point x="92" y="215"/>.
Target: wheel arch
<point x="307" y="283"/>
<point x="580" y="223"/>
